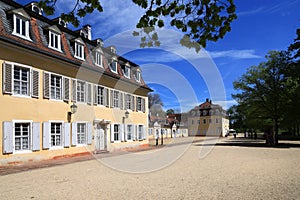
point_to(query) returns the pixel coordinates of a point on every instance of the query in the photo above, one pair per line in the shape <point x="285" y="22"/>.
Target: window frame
<point x="58" y="40"/>
<point x="127" y="132"/>
<point x="98" y="59"/>
<point x="30" y="136"/>
<point x="127" y="75"/>
<point x="55" y="87"/>
<point x="85" y="133"/>
<point x="114" y="62"/>
<point x="28" y="69"/>
<point x="23" y="21"/>
<point x="79" y="50"/>
<point x="118" y="133"/>
<point x="81" y="92"/>
<point x="61" y="146"/>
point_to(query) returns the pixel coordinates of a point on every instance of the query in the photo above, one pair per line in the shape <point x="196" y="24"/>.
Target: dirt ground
<point x="230" y="169"/>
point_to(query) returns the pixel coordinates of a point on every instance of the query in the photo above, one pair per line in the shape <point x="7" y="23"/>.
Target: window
<point x="209" y="121"/>
<point x="81" y="88"/>
<point x="204" y="112"/>
<point x="140" y="132"/>
<point x="56" y="87"/>
<point x="140" y="104"/>
<point x="129" y="101"/>
<point x="56" y="134"/>
<point x="81" y="133"/>
<point x="117" y="132"/>
<point x="79" y="51"/>
<point x="100" y="96"/>
<point x="22" y="136"/>
<point x="126" y="71"/>
<point x="198" y="121"/>
<point x="129" y="132"/>
<point x="116" y="98"/>
<point x="217" y="121"/>
<point x="21" y="26"/>
<point x="137" y="76"/>
<point x="21" y="80"/>
<point x="113" y="66"/>
<point x="204" y="121"/>
<point x="192" y="121"/>
<point x="54" y="41"/>
<point x="98" y="58"/>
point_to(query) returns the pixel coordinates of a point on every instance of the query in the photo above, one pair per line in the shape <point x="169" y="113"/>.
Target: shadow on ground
<point x="259" y="143"/>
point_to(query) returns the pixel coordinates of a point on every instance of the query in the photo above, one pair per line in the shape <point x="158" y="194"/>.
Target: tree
<point x="200" y="20"/>
<point x="155" y="105"/>
<point x="264" y="93"/>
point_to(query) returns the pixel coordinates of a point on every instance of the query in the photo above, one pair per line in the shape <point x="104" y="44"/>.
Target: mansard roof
<point x="39" y="35"/>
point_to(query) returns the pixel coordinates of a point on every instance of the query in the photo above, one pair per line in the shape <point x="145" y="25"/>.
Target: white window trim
<point x="116" y="61"/>
<point x="62" y="135"/>
<point x="128" y="75"/>
<point x="61" y="84"/>
<point x="26" y="37"/>
<point x="137" y="76"/>
<point x="132" y="133"/>
<point x="98" y="95"/>
<point x="120" y="134"/>
<point x="12" y="78"/>
<point x="86" y="133"/>
<point x="30" y="128"/>
<point x="85" y="91"/>
<point x="77" y="44"/>
<point x="101" y="59"/>
<point x="137" y="132"/>
<point x="58" y="38"/>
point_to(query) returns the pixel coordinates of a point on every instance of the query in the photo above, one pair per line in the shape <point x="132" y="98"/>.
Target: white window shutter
<point x="106" y="97"/>
<point x="35" y="136"/>
<point x="89" y="94"/>
<point x="89" y="133"/>
<point x="95" y="94"/>
<point x="35" y="83"/>
<point x="122" y="134"/>
<point x="144" y="133"/>
<point x="125" y="132"/>
<point x="74" y="133"/>
<point x="66" y="89"/>
<point x="112" y="132"/>
<point x="46" y="135"/>
<point x="7" y="78"/>
<point x="111" y="98"/>
<point x="74" y="89"/>
<point x="8" y="134"/>
<point x="67" y="130"/>
<point x="134" y="132"/>
<point x="121" y="100"/>
<point x="46" y="85"/>
<point x="132" y="103"/>
<point x="143" y="105"/>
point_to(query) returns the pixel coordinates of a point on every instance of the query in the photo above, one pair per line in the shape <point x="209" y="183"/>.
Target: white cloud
<point x="236" y="54"/>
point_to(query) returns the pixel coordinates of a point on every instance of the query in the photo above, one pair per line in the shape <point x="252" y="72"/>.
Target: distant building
<point x="208" y="119"/>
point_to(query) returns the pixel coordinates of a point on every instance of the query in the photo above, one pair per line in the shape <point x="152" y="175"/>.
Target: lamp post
<point x="73" y="108"/>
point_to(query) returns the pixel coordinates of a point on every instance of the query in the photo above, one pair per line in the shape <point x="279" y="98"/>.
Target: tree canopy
<point x="269" y="94"/>
<point x="200" y="20"/>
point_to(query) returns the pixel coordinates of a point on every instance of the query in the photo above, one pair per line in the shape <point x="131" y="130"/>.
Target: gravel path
<point x="226" y="172"/>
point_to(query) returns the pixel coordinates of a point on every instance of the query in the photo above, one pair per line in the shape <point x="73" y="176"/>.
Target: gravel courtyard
<point x="222" y="171"/>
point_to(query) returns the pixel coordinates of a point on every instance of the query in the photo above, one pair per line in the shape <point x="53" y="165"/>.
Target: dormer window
<point x="79" y="49"/>
<point x="21" y="24"/>
<point x="126" y="70"/>
<point x="113" y="65"/>
<point x="98" y="58"/>
<point x="62" y="23"/>
<point x="137" y="75"/>
<point x="54" y="38"/>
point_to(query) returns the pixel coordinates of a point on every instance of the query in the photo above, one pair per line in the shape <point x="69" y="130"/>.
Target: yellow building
<point x="63" y="93"/>
<point x="208" y="119"/>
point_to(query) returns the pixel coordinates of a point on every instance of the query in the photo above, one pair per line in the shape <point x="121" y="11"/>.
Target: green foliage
<point x="200" y="20"/>
<point x="268" y="93"/>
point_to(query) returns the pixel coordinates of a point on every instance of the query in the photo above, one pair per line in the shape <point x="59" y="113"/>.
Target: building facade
<point x="63" y="93"/>
<point x="208" y="119"/>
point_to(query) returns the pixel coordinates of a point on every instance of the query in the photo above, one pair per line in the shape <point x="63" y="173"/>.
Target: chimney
<point x="207" y="99"/>
<point x="88" y="30"/>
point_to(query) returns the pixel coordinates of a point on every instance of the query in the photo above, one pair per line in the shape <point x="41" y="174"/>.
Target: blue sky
<point x="183" y="78"/>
